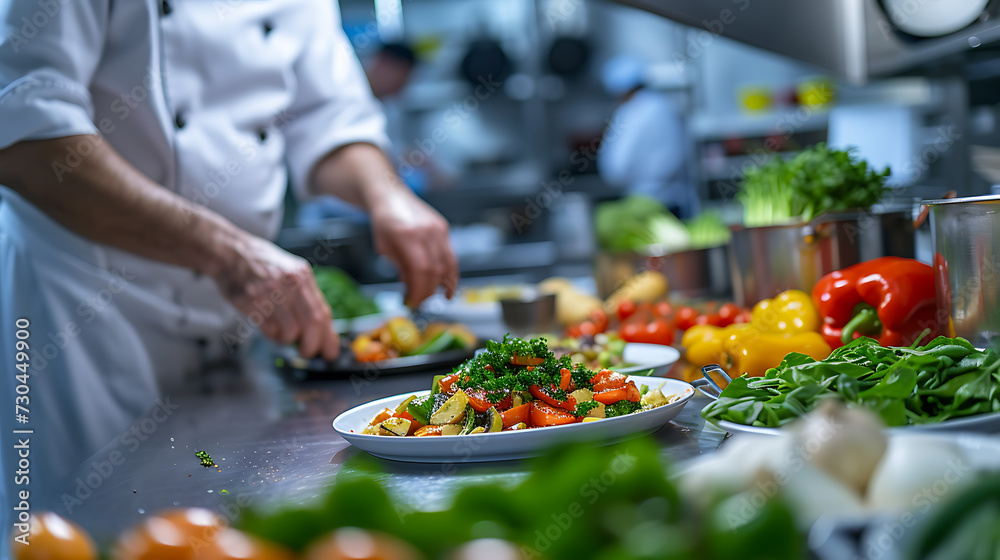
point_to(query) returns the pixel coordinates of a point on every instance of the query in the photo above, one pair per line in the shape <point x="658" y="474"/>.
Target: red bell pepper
<point x="890" y="299"/>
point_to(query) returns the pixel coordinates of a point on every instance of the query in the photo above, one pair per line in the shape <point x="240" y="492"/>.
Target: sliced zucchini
<point x="582" y="395"/>
<point x="371" y="429"/>
<point x="478" y="430"/>
<point x="452" y="410"/>
<point x="520" y="397"/>
<point x="597" y="412"/>
<point x="402" y="406"/>
<point x="518" y="426"/>
<point x="470" y="420"/>
<point x="451" y="430"/>
<point x="494" y="421"/>
<point x="592" y="419"/>
<point x="394" y="427"/>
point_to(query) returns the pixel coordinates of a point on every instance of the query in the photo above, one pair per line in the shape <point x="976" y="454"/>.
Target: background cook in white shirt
<point x="145" y="147"/>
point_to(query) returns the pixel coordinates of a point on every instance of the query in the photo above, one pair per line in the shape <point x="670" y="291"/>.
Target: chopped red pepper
<point x="890" y="299"/>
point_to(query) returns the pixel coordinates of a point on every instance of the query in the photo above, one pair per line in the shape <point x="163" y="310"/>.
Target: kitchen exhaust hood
<point x="853" y="39"/>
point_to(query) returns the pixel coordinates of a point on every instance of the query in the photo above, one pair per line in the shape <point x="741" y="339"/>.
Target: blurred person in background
<point x="645" y="149"/>
<point x="144" y="156"/>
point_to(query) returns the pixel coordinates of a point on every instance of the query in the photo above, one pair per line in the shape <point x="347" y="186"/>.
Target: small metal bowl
<point x="530" y="314"/>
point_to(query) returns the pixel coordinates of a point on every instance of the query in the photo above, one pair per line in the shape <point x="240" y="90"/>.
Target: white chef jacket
<point x="645" y="150"/>
<point x="220" y="101"/>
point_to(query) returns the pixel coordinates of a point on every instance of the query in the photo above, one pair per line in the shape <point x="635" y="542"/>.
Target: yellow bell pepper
<point x="743" y="348"/>
<point x="703" y="344"/>
<point x="753" y="352"/>
<point x="790" y="312"/>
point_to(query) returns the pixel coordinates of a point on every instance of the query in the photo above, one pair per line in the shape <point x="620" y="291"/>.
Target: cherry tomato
<point x="686" y="318"/>
<point x="51" y="537"/>
<point x="711" y="319"/>
<point x="660" y="331"/>
<point x="630" y="332"/>
<point x="626" y="309"/>
<point x="588" y="328"/>
<point x="600" y="320"/>
<point x="663" y="309"/>
<point x="729" y="312"/>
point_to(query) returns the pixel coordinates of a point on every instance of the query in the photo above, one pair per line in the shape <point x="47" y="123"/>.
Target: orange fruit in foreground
<point x="50" y="537"/>
<point x="351" y="543"/>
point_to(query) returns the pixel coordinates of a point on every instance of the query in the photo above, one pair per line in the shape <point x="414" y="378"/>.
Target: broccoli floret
<point x="621" y="408"/>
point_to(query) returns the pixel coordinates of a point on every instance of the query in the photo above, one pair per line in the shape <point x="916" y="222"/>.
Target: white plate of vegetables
<point x="514" y="401"/>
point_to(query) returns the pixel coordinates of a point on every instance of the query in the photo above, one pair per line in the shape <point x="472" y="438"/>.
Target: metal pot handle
<point x="707" y="385"/>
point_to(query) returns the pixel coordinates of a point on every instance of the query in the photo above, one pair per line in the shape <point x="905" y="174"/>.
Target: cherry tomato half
<point x="626" y="309"/>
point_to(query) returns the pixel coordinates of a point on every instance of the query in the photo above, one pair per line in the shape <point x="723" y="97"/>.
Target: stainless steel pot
<point x="764" y="261"/>
<point x="696" y="273"/>
<point x="966" y="239"/>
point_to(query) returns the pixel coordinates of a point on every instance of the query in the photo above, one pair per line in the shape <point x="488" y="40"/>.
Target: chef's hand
<point x="277" y="292"/>
<point x="407" y="231"/>
<point x="414" y="237"/>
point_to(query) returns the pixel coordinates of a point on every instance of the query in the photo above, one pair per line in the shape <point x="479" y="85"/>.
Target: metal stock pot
<point x="966" y="238"/>
<point x="764" y="261"/>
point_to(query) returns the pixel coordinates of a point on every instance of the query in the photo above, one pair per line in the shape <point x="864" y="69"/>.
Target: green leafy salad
<point x="948" y="378"/>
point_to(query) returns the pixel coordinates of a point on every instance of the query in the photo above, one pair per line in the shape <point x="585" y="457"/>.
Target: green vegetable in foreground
<point x="617" y="502"/>
<point x="947" y="378"/>
<point x="817" y="180"/>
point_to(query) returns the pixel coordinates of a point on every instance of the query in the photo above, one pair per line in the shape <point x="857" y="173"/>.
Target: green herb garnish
<point x="621" y="408"/>
<point x="583" y="408"/>
<point x="206" y="459"/>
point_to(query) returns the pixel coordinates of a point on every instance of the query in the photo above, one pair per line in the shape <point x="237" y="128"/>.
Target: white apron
<point x="223" y="102"/>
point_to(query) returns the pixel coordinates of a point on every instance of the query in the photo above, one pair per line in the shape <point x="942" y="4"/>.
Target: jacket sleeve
<point x="333" y="105"/>
<point x="49" y="50"/>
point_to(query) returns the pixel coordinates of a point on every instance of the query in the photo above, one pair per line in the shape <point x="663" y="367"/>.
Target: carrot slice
<point x="611" y="396"/>
<point x="428" y="431"/>
<point x="607" y="379"/>
<point x="538" y="393"/>
<point x="632" y="392"/>
<point x="447" y="383"/>
<point x="526" y="360"/>
<point x="565" y="380"/>
<point x="517" y="414"/>
<point x="545" y="415"/>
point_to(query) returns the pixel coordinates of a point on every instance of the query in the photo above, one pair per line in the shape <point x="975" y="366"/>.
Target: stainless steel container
<point x="966" y="240"/>
<point x="765" y="261"/>
<point x="697" y="273"/>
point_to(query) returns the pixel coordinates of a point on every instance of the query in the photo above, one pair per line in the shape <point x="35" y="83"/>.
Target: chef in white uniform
<point x="646" y="149"/>
<point x="145" y="148"/>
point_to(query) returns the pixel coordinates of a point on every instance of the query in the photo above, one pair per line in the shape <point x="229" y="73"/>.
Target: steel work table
<point x="275" y="444"/>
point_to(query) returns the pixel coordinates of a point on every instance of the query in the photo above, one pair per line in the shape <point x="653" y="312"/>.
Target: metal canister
<point x="966" y="240"/>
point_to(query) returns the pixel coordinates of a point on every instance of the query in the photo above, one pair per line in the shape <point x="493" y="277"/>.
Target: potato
<point x="644" y="286"/>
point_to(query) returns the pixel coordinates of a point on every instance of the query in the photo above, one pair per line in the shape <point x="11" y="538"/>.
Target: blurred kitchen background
<point x="510" y="160"/>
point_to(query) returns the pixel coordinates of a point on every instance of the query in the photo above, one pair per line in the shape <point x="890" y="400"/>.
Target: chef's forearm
<point x="357" y="173"/>
<point x="107" y="200"/>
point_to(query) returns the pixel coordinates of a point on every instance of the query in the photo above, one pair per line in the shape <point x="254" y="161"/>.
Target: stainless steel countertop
<point x="275" y="444"/>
